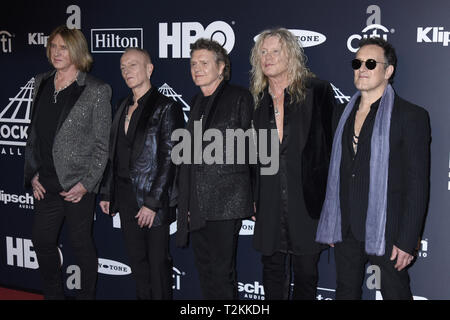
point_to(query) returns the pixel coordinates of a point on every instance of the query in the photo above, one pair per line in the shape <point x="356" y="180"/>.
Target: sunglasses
<point x="370" y="64"/>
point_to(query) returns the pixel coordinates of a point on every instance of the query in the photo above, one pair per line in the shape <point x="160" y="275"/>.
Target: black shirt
<point x="125" y="141"/>
<point x="355" y="173"/>
<point x="47" y="119"/>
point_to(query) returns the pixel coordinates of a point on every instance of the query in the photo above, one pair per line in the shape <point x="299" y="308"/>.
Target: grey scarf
<point x="329" y="228"/>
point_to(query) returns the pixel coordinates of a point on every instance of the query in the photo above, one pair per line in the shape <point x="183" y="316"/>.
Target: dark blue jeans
<point x="51" y="212"/>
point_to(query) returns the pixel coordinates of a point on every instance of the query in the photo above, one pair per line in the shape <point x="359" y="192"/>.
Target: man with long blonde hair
<point x="299" y="106"/>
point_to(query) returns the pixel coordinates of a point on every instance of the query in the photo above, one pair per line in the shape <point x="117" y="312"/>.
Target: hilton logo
<point x="116" y="40"/>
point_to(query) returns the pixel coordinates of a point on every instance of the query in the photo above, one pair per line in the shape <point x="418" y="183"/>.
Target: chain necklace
<point x="56" y="92"/>
<point x="275" y="100"/>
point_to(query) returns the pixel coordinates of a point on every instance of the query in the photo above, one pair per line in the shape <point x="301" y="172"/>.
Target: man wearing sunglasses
<point x="378" y="182"/>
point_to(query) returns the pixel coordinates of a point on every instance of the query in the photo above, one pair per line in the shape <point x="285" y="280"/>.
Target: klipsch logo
<point x="73" y="21"/>
<point x="14" y="121"/>
<point x="182" y="34"/>
<point x="25" y="201"/>
<point x="251" y="291"/>
<point x="116" y="40"/>
<point x="374" y="29"/>
<point x="433" y="35"/>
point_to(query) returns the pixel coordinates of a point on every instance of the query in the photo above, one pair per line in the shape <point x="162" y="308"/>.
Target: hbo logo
<point x="183" y="34"/>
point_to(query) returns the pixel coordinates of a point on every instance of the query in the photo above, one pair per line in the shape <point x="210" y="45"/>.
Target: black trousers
<point x="351" y="258"/>
<point x="147" y="248"/>
<point x="276" y="276"/>
<point x="215" y="248"/>
<point x="51" y="212"/>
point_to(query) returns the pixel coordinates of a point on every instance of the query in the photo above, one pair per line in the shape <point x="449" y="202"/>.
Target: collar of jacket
<point x="142" y="100"/>
<point x="81" y="78"/>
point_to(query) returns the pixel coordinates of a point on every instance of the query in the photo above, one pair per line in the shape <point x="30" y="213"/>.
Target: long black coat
<point x="307" y="160"/>
<point x="223" y="191"/>
<point x="151" y="169"/>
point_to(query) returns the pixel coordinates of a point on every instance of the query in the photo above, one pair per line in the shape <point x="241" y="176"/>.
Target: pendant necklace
<point x="275" y="100"/>
<point x="56" y="92"/>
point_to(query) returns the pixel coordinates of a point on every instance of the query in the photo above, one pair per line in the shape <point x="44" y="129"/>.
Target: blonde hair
<point x="297" y="73"/>
<point x="76" y="44"/>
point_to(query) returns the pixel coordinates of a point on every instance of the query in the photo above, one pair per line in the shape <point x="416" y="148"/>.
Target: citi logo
<point x="437" y="34"/>
<point x="116" y="40"/>
<point x="5" y="41"/>
<point x="113" y="268"/>
<point x="371" y="31"/>
<point x="176" y="275"/>
<point x="306" y="38"/>
<point x="182" y="34"/>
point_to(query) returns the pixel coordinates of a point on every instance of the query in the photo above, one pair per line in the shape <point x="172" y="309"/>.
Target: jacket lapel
<point x="72" y="99"/>
<point x="212" y="106"/>
<point x="68" y="106"/>
<point x="141" y="128"/>
<point x="306" y="110"/>
<point x="40" y="82"/>
<point x="115" y="127"/>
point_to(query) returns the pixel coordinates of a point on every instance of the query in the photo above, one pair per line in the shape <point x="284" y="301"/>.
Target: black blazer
<point x="408" y="177"/>
<point x="223" y="191"/>
<point x="151" y="169"/>
<point x="315" y="139"/>
<point x="307" y="157"/>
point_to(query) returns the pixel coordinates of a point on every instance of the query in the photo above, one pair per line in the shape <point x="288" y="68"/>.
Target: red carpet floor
<point x="9" y="294"/>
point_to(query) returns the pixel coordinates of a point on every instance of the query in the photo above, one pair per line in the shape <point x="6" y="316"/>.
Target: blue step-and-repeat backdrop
<point x="329" y="31"/>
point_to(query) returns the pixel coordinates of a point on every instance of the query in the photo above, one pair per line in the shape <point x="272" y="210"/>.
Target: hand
<point x="403" y="258"/>
<point x="75" y="194"/>
<point x="254" y="210"/>
<point x="145" y="217"/>
<point x="104" y="205"/>
<point x="331" y="245"/>
<point x="38" y="189"/>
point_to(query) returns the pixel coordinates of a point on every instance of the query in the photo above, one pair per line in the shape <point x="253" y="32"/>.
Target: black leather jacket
<point x="151" y="169"/>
